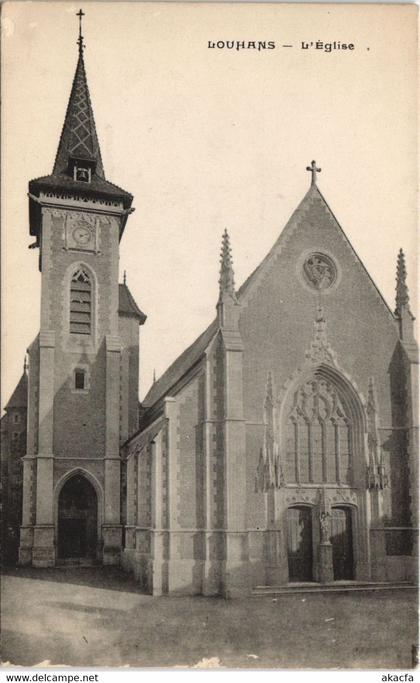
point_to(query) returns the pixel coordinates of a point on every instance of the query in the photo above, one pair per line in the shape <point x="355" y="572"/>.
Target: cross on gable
<point x="314" y="170"/>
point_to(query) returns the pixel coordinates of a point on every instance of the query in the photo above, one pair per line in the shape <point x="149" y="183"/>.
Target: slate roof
<point x="19" y="397"/>
<point x="79" y="140"/>
<point x="180" y="366"/>
<point x="78" y="137"/>
<point x="127" y="305"/>
<point x="193" y="353"/>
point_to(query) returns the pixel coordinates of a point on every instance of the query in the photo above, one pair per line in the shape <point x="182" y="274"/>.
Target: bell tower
<point x="86" y="345"/>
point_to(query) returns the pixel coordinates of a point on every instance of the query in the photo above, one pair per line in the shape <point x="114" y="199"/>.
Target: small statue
<point x="324" y="523"/>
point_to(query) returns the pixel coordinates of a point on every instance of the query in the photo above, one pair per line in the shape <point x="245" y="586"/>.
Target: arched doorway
<point x="342" y="543"/>
<point x="77" y="519"/>
<point x="299" y="543"/>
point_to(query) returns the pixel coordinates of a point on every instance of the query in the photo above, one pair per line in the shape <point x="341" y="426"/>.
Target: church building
<point x="279" y="448"/>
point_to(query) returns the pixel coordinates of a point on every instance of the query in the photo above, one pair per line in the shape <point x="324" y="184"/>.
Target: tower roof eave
<point x="97" y="188"/>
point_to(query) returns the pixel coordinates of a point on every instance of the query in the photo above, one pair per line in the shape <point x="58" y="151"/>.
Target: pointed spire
<point x="403" y="313"/>
<point x="154" y="375"/>
<point x="371" y="402"/>
<point x="376" y="474"/>
<point x="371" y="414"/>
<point x="402" y="296"/>
<point x="269" y="472"/>
<point x="79" y="140"/>
<point x="226" y="280"/>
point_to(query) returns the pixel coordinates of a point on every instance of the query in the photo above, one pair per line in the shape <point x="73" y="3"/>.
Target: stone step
<point x="78" y="562"/>
<point x="336" y="587"/>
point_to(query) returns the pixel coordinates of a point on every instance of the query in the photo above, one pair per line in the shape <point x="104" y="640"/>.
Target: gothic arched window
<point x="80" y="303"/>
<point x="318" y="435"/>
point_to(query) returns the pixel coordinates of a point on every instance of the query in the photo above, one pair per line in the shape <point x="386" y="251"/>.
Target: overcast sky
<point x="207" y="139"/>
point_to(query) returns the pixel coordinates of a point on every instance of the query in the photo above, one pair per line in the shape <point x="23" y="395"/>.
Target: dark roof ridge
<point x="19" y="397"/>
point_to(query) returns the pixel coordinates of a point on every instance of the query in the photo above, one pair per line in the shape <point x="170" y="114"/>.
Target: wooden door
<point x="77" y="519"/>
<point x="72" y="538"/>
<point x="299" y="546"/>
<point x="342" y="543"/>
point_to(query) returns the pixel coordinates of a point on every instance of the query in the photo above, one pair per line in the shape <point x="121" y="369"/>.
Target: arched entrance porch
<point x="77" y="526"/>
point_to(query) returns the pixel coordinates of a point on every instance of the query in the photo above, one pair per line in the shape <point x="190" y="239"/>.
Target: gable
<point x="276" y="289"/>
<point x="312" y="215"/>
<point x="280" y="302"/>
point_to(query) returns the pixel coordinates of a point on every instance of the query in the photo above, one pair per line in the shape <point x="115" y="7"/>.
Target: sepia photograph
<point x="209" y="427"/>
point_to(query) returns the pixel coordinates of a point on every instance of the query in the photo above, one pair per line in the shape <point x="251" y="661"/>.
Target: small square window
<point x="80" y="379"/>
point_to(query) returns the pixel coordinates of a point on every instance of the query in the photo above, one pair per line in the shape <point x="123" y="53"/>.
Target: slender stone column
<point x="130" y="531"/>
<point x="406" y="325"/>
<point x="236" y="566"/>
<point x="325" y="558"/>
<point x="43" y="554"/>
<point x="112" y="529"/>
<point x="26" y="530"/>
<point x="158" y="586"/>
<point x="180" y="571"/>
<point x="236" y="574"/>
<point x="212" y="564"/>
<point x="413" y="451"/>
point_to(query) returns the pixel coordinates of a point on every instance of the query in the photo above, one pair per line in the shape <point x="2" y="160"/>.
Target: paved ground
<point x="94" y="617"/>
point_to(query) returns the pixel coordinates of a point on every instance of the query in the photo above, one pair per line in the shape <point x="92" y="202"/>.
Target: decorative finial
<point x="371" y="393"/>
<point x="320" y="325"/>
<point x="402" y="297"/>
<point x="314" y="170"/>
<point x="25" y="365"/>
<point x="269" y="386"/>
<point x="320" y="350"/>
<point x="226" y="280"/>
<point x="125" y="277"/>
<point x="268" y="401"/>
<point x="154" y="375"/>
<point x="80" y="43"/>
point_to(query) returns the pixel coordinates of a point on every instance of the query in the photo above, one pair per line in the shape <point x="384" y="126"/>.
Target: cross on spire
<point x="79" y="139"/>
<point x="80" y="43"/>
<point x="314" y="170"/>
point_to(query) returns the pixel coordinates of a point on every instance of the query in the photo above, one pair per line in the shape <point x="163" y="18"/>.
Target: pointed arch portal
<point x="77" y="519"/>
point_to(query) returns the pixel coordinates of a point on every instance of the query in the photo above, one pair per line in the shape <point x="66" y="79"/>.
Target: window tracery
<point x="318" y="435"/>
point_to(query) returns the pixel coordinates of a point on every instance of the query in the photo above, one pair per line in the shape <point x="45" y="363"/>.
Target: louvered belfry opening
<point x="81" y="303"/>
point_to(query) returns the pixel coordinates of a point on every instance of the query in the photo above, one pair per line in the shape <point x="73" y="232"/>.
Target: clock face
<point x="82" y="235"/>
